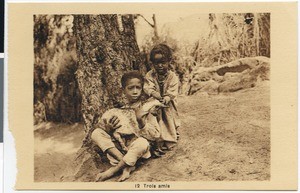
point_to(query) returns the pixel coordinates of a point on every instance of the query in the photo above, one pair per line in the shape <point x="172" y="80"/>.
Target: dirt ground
<point x="222" y="137"/>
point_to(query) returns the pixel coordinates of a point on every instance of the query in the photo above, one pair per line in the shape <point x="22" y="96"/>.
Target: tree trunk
<point x="256" y="33"/>
<point x="264" y="34"/>
<point x="156" y="37"/>
<point x="106" y="48"/>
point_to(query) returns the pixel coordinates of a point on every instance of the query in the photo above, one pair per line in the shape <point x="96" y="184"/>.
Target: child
<point x="129" y="124"/>
<point x="138" y="147"/>
<point x="134" y="146"/>
<point x="151" y="129"/>
<point x="162" y="84"/>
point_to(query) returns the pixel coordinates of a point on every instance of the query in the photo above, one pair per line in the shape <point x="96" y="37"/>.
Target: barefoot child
<point x="133" y="147"/>
<point x="151" y="129"/>
<point x="137" y="147"/>
<point x="129" y="126"/>
<point x="162" y="84"/>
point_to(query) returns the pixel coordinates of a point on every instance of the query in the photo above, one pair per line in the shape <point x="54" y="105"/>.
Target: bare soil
<point x="222" y="137"/>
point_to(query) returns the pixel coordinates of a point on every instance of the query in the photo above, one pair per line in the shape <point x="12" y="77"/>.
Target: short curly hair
<point x="130" y="75"/>
<point x="162" y="49"/>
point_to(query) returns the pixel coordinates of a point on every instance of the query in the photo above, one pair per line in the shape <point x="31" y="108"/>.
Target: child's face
<point x="160" y="65"/>
<point x="133" y="89"/>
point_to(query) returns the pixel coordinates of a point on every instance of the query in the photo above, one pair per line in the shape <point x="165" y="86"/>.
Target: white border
<point x="9" y="153"/>
<point x="138" y="1"/>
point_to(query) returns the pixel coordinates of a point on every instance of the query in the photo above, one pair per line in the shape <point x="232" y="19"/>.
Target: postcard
<point x="153" y="96"/>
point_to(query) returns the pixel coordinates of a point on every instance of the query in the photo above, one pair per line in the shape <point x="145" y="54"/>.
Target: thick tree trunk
<point x="106" y="48"/>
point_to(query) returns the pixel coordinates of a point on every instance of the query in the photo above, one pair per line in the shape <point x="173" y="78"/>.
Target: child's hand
<point x="112" y="124"/>
<point x="140" y="114"/>
<point x="125" y="149"/>
<point x="156" y="95"/>
<point x="166" y="100"/>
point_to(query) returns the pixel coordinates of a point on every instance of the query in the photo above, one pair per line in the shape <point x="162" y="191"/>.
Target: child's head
<point x="132" y="84"/>
<point x="160" y="56"/>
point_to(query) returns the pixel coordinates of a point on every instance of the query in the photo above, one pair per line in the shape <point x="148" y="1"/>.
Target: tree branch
<point x="146" y="20"/>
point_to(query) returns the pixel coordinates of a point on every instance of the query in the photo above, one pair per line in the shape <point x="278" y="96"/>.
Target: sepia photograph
<point x="152" y="97"/>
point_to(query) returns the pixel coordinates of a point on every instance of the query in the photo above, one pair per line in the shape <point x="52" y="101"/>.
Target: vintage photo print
<point x="152" y="99"/>
<point x="200" y="75"/>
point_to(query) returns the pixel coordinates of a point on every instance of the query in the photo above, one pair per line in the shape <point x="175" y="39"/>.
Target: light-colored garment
<point x="137" y="148"/>
<point x="150" y="109"/>
<point x="168" y="118"/>
<point x="128" y="122"/>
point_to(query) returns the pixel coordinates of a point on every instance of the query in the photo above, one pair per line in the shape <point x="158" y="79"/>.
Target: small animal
<point x="129" y="123"/>
<point x="150" y="110"/>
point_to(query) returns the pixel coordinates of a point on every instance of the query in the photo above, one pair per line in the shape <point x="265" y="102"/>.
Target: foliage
<point x="233" y="36"/>
<point x="229" y="37"/>
<point x="57" y="96"/>
<point x="106" y="48"/>
<point x="55" y="86"/>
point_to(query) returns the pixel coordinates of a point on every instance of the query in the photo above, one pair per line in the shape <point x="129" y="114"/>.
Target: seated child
<point x="151" y="131"/>
<point x="137" y="147"/>
<point x="129" y="125"/>
<point x="162" y="84"/>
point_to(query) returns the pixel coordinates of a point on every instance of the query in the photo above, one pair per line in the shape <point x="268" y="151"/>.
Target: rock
<point x="202" y="94"/>
<point x="231" y="75"/>
<point x="236" y="75"/>
<point x="210" y="86"/>
<point x="251" y="161"/>
<point x="237" y="83"/>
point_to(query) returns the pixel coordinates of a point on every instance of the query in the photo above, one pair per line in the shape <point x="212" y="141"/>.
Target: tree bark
<point x="106" y="48"/>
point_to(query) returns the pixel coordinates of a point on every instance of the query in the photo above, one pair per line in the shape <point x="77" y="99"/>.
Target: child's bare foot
<point x="102" y="176"/>
<point x="161" y="152"/>
<point x="164" y="148"/>
<point x="155" y="154"/>
<point x="126" y="173"/>
<point x="107" y="174"/>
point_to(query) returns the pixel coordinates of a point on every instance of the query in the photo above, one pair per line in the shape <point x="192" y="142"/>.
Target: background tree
<point x="56" y="96"/>
<point x="106" y="48"/>
<point x="155" y="37"/>
<point x="233" y="36"/>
